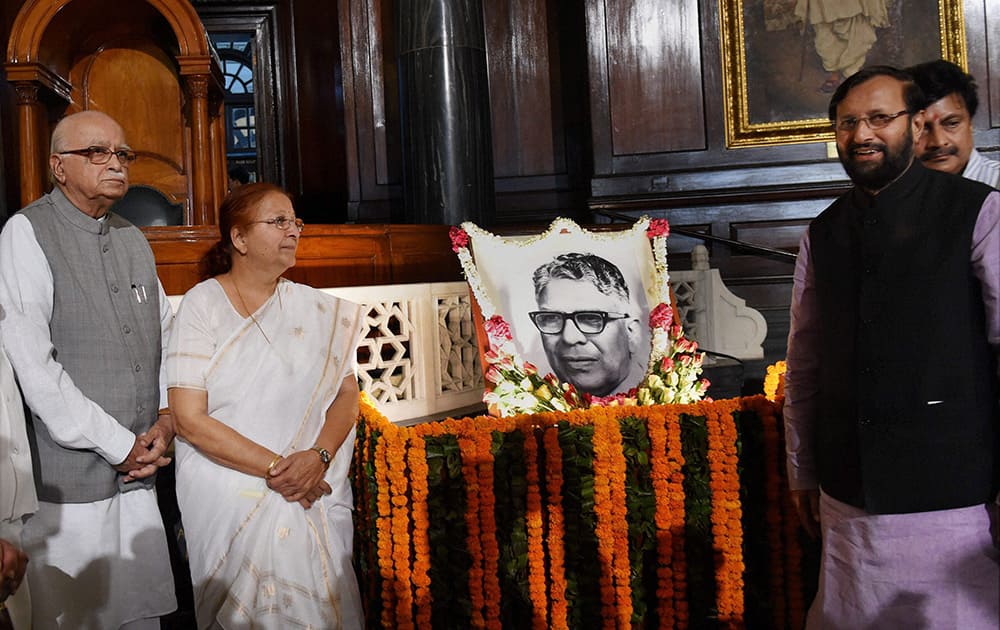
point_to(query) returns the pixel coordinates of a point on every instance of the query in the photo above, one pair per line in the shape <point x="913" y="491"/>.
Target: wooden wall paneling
<point x="371" y="108"/>
<point x="334" y="260"/>
<point x="655" y="79"/>
<point x="328" y="255"/>
<point x="647" y="58"/>
<point x="540" y="116"/>
<point x="322" y="191"/>
<point x="422" y="253"/>
<point x="712" y="167"/>
<point x="525" y="141"/>
<point x="352" y="96"/>
<point x="177" y="251"/>
<point x="600" y="87"/>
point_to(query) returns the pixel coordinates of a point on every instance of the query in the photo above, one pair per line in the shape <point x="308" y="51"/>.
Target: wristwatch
<point x="324" y="455"/>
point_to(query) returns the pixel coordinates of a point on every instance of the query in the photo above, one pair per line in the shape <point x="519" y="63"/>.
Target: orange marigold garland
<point x="727" y="530"/>
<point x="619" y="507"/>
<point x="536" y="548"/>
<point x="554" y="488"/>
<point x="660" y="475"/>
<point x="417" y="459"/>
<point x="488" y="527"/>
<point x="678" y="516"/>
<point x="399" y="487"/>
<point x="605" y="520"/>
<point x="398" y="457"/>
<point x="773" y="494"/>
<point x="384" y="521"/>
<point x="467" y="446"/>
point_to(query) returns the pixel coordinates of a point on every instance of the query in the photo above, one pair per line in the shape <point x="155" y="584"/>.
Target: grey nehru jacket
<point x="105" y="330"/>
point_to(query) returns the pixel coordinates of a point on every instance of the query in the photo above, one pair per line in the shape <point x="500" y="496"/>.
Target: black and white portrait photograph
<point x="577" y="302"/>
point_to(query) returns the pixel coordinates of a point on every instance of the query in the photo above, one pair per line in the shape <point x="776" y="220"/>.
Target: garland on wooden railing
<point x="665" y="516"/>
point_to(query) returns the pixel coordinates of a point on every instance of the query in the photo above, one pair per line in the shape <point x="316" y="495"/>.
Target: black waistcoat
<point x="909" y="418"/>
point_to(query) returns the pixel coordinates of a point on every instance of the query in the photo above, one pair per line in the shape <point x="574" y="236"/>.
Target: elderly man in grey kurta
<point x="85" y="324"/>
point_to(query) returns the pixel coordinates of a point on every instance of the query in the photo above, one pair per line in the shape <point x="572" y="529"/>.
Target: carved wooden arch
<point x="34" y="18"/>
<point x="40" y="87"/>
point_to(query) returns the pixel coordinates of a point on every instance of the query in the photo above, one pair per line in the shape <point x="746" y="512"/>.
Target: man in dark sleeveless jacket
<point x="84" y="326"/>
<point x="891" y="409"/>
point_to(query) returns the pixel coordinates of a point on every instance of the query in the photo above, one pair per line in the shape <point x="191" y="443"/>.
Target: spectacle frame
<point x="587" y="322"/>
<point x="875" y="121"/>
<point x="102" y="155"/>
<point x="284" y="223"/>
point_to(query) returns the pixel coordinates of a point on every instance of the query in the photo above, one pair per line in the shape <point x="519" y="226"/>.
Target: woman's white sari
<point x="257" y="560"/>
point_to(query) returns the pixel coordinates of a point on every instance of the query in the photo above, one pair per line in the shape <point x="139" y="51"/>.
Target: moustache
<point x="933" y="154"/>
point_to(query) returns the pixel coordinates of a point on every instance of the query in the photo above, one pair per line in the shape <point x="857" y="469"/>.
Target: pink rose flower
<point x="658" y="227"/>
<point x="493" y="375"/>
<point x="667" y="364"/>
<point x="661" y="316"/>
<point x="459" y="238"/>
<point x="495" y="326"/>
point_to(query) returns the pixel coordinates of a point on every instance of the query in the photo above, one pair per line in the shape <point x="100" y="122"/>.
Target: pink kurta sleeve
<point x="802" y="375"/>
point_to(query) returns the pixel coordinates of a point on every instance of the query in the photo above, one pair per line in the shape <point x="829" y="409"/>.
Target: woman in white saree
<point x="264" y="395"/>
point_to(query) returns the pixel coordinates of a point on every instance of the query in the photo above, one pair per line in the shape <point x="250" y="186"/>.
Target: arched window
<point x="236" y="53"/>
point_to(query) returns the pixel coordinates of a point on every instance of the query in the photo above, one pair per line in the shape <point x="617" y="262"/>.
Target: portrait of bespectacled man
<point x="577" y="302"/>
<point x="589" y="327"/>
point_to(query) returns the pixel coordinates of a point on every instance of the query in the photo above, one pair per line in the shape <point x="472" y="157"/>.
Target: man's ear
<point x="917" y="122"/>
<point x="634" y="334"/>
<point x="57" y="169"/>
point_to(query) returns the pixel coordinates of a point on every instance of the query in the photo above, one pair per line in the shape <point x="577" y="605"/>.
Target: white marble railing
<point x="712" y="315"/>
<point x="418" y="356"/>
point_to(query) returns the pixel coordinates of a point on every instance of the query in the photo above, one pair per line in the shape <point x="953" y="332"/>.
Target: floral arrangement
<point x="668" y="516"/>
<point x="774" y="381"/>
<point x="516" y="387"/>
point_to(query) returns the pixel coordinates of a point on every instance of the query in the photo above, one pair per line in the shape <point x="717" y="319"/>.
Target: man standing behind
<point x="950" y="103"/>
<point x="85" y="321"/>
<point x="892" y="422"/>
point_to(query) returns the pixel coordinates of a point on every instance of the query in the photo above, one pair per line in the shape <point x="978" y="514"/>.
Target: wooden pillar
<point x="202" y="210"/>
<point x="217" y="135"/>
<point x="33" y="155"/>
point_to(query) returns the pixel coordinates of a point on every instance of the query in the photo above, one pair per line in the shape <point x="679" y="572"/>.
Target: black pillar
<point x="445" y="112"/>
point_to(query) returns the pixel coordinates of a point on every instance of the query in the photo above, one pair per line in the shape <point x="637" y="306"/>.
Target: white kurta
<point x="93" y="565"/>
<point x="982" y="169"/>
<point x="17" y="487"/>
<point x="257" y="559"/>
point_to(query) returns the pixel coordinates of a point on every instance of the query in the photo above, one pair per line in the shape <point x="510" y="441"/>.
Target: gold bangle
<point x="164" y="411"/>
<point x="277" y="458"/>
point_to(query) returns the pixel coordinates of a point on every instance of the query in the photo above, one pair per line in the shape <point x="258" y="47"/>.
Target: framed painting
<point x="783" y="59"/>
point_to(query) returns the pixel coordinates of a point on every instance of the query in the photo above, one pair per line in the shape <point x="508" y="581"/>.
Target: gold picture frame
<point x="778" y="97"/>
